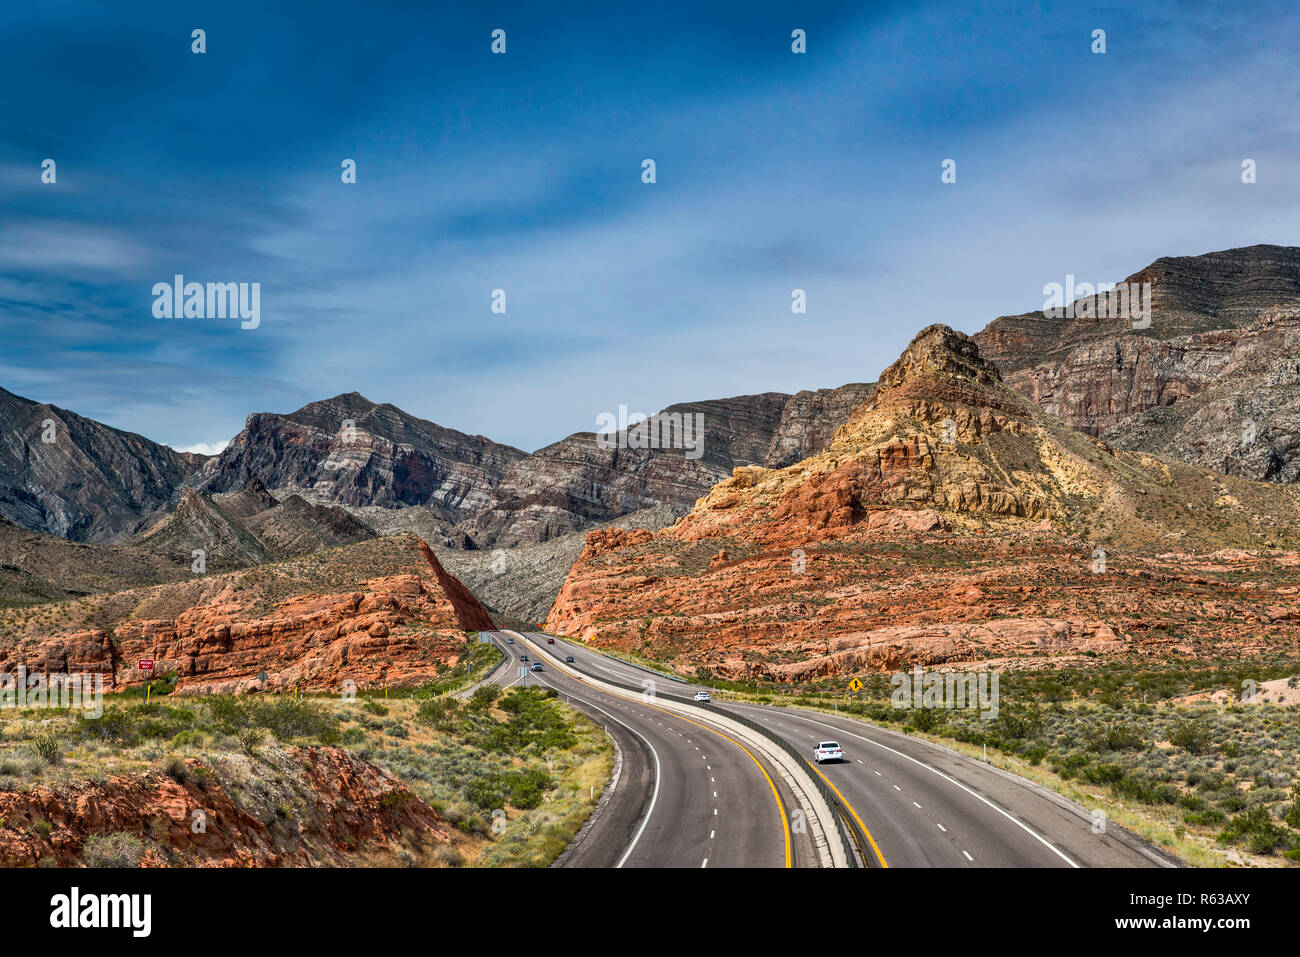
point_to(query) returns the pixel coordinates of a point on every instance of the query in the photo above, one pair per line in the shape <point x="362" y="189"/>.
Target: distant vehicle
<point x="510" y="641"/>
<point x="569" y="658"/>
<point x="702" y="696"/>
<point x="537" y="666"/>
<point x="523" y="657"/>
<point x="550" y="641"/>
<point x="828" y="751"/>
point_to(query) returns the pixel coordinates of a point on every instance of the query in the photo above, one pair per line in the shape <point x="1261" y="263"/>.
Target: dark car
<point x="523" y="657"/>
<point x="550" y="641"/>
<point x="537" y="666"/>
<point x="569" y="658"/>
<point x="510" y="641"/>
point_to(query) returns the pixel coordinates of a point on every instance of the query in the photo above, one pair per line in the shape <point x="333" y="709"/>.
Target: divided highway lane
<point x="925" y="805"/>
<point x="686" y="796"/>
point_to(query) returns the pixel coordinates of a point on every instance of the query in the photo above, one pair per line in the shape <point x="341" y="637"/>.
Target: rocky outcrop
<point x="356" y="452"/>
<point x="809" y="420"/>
<point x="394" y="630"/>
<point x="579" y="481"/>
<point x="75" y="478"/>
<point x="294" y="526"/>
<point x="247" y="528"/>
<point x="950" y="521"/>
<point x="1211" y="366"/>
<point x="354" y="807"/>
<point x="520" y="583"/>
<point x="1247" y="421"/>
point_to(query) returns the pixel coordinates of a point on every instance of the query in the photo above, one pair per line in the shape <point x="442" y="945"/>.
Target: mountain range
<point x="1212" y="380"/>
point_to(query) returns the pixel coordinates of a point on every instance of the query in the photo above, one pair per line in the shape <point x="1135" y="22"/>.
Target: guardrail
<point x="854" y="843"/>
<point x="849" y="838"/>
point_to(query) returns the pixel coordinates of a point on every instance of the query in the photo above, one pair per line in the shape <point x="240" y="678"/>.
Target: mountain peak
<point x="940" y="350"/>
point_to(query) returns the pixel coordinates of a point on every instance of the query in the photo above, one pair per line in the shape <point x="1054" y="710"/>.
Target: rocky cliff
<point x="1217" y="326"/>
<point x="356" y="452"/>
<point x="944" y="508"/>
<point x="348" y="806"/>
<point x="76" y="478"/>
<point x="578" y="481"/>
<point x="382" y="613"/>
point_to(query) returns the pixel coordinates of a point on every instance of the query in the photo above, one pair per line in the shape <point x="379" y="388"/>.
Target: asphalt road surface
<point x="922" y="804"/>
<point x="686" y="796"/>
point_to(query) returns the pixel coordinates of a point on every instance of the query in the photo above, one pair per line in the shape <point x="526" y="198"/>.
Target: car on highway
<point x="510" y="641"/>
<point x="828" y="751"/>
<point x="569" y="658"/>
<point x="550" y="641"/>
<point x="702" y="696"/>
<point x="523" y="657"/>
<point x="537" y="666"/>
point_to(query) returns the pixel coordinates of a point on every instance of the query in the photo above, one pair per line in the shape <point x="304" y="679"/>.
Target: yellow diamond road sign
<point x="855" y="685"/>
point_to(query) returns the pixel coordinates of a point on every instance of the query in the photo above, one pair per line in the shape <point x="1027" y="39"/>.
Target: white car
<point x="702" y="696"/>
<point x="828" y="751"/>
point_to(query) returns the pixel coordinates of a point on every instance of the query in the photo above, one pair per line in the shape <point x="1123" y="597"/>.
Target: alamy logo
<point x="76" y="691"/>
<point x="73" y="910"/>
<point x="932" y="689"/>
<point x="666" y="430"/>
<point x="215" y="300"/>
<point x="1106" y="300"/>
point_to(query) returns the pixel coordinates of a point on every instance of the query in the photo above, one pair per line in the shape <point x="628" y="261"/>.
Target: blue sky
<point x="522" y="172"/>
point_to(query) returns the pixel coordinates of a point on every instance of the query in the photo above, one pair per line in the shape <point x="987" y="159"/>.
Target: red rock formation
<point x="393" y="630"/>
<point x="949" y="522"/>
<point x="355" y="806"/>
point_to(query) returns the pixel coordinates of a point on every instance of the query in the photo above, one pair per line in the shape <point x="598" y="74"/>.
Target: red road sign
<point x="146" y="664"/>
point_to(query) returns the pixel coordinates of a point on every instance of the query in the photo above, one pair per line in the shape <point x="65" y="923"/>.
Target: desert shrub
<point x="1102" y="773"/>
<point x="47" y="748"/>
<point x="1148" y="792"/>
<point x="448" y="856"/>
<point x="1293" y="812"/>
<point x="176" y="770"/>
<point x="925" y="719"/>
<point x="486" y="793"/>
<point x="1035" y="754"/>
<point x="1016" y="722"/>
<point x="1256" y="830"/>
<point x="1069" y="765"/>
<point x="112" y="850"/>
<point x="287" y="718"/>
<point x="250" y="738"/>
<point x="1189" y="735"/>
<point x="484" y="697"/>
<point x="1115" y="737"/>
<point x="439" y="712"/>
<point x="527" y="788"/>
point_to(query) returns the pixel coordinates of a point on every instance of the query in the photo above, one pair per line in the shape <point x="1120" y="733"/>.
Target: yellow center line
<point x="785" y="823"/>
<point x="851" y="811"/>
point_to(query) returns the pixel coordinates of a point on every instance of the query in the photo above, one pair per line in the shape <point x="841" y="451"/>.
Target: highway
<point x="686" y="795"/>
<point x="923" y="805"/>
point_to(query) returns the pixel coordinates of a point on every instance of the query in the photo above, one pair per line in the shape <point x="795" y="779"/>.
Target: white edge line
<point x="1010" y="817"/>
<point x="654" y="795"/>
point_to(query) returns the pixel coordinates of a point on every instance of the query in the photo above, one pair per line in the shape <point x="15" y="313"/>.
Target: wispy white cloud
<point x="203" y="448"/>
